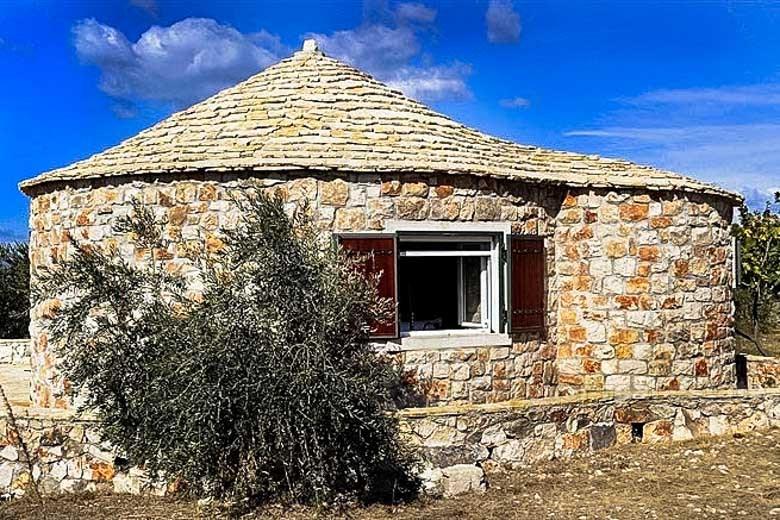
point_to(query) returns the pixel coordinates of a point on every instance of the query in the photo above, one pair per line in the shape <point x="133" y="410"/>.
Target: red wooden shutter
<point x="527" y="283"/>
<point x="379" y="257"/>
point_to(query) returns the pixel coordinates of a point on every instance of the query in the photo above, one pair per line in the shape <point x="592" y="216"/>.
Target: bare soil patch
<point x="729" y="478"/>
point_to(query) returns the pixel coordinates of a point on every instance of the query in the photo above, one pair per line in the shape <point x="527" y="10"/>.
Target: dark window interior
<point x="428" y="293"/>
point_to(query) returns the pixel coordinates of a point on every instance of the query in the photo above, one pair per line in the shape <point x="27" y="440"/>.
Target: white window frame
<point x="490" y="293"/>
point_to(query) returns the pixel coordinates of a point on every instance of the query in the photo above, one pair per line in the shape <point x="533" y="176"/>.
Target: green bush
<point x="758" y="294"/>
<point x="14" y="291"/>
<point x="259" y="383"/>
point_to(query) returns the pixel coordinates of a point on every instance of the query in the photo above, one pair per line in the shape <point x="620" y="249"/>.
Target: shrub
<point x="250" y="376"/>
<point x="758" y="293"/>
<point x="14" y="290"/>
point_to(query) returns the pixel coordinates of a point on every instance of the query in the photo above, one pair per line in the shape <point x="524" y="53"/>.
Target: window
<point x="455" y="283"/>
<point x="447" y="282"/>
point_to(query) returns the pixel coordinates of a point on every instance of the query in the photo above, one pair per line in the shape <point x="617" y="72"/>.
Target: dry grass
<point x="728" y="478"/>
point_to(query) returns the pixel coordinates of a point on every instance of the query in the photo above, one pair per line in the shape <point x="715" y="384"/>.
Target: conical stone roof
<point x="312" y="112"/>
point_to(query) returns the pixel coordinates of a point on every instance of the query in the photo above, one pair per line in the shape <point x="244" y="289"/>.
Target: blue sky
<point x="689" y="86"/>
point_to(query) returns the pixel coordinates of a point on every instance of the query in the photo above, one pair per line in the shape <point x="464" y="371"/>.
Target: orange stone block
<point x="568" y="317"/>
<point x="102" y="471"/>
<point x="700" y="368"/>
<point x="214" y="244"/>
<point x="208" y="192"/>
<point x="627" y="301"/>
<point x="616" y="248"/>
<point x="583" y="283"/>
<point x="577" y="334"/>
<point x="637" y="285"/>
<point x="660" y="222"/>
<point x="584" y="350"/>
<point x="177" y="215"/>
<point x="624" y="352"/>
<point x="680" y="267"/>
<point x="391" y="188"/>
<point x="649" y="253"/>
<point x="633" y="212"/>
<point x="618" y="336"/>
<point x="570" y="379"/>
<point x="591" y="366"/>
<point x="443" y="191"/>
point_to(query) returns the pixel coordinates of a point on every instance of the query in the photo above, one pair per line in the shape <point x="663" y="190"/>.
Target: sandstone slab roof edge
<point x="312" y="112"/>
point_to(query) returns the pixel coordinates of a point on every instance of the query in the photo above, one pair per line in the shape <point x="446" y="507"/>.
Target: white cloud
<point x="503" y="22"/>
<point x="767" y="94"/>
<point x="729" y="135"/>
<point x="392" y="52"/>
<point x="743" y="157"/>
<point x="180" y="64"/>
<point x="415" y="12"/>
<point x="433" y="83"/>
<point x="517" y="102"/>
<point x="196" y="57"/>
<point x="378" y="49"/>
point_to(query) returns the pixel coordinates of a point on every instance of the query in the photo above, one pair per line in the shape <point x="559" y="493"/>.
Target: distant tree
<point x="758" y="293"/>
<point x="249" y="377"/>
<point x="14" y="290"/>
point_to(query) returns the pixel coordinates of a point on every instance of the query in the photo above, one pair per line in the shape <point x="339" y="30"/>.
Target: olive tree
<point x="247" y="376"/>
<point x="14" y="290"/>
<point x="758" y="292"/>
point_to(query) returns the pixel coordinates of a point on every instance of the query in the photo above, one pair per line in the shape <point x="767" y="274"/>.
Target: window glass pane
<point x="443" y="290"/>
<point x="428" y="293"/>
<point x="472" y="289"/>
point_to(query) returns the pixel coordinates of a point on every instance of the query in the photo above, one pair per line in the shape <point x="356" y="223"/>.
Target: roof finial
<point x="310" y="45"/>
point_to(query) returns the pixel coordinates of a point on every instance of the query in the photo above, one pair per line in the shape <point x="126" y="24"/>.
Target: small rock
<point x="462" y="478"/>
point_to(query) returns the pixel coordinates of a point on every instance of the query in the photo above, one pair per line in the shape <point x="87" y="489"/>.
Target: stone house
<point x="518" y="272"/>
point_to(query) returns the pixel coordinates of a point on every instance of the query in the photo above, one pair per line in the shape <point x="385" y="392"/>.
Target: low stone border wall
<point x="759" y="371"/>
<point x="15" y="351"/>
<point x="460" y="443"/>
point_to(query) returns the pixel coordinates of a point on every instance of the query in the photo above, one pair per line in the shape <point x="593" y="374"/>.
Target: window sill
<point x="442" y="340"/>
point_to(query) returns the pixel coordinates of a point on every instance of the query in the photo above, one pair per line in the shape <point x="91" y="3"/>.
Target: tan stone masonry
<point x="196" y="211"/>
<point x="638" y="283"/>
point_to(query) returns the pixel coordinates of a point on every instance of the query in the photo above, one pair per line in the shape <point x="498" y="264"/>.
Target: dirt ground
<point x="728" y="478"/>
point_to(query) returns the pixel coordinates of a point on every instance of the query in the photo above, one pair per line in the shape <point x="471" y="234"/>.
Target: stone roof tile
<point x="310" y="111"/>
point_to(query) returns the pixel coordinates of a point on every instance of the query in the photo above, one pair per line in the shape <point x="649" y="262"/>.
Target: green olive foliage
<point x="14" y="290"/>
<point x="259" y="384"/>
<point x="758" y="292"/>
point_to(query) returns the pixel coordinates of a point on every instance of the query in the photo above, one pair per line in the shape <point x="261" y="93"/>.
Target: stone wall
<point x="196" y="211"/>
<point x="523" y="370"/>
<point x="14" y="351"/>
<point x="519" y="434"/>
<point x="458" y="443"/>
<point x="762" y="372"/>
<point x="645" y="299"/>
<point x="639" y="284"/>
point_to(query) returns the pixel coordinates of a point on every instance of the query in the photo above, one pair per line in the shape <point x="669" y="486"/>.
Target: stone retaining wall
<point x="458" y="442"/>
<point x="521" y="433"/>
<point x="15" y="351"/>
<point x="762" y="372"/>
